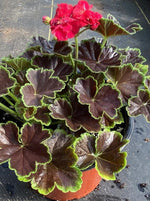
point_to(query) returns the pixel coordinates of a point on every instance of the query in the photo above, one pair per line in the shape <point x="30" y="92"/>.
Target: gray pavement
<point x="19" y="21"/>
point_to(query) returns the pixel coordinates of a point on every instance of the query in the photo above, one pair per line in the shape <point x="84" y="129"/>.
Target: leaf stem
<point x="102" y="47"/>
<point x="103" y="43"/>
<point x="51" y="15"/>
<point x="8" y="101"/>
<point x="8" y="110"/>
<point x="13" y="97"/>
<point x="71" y="59"/>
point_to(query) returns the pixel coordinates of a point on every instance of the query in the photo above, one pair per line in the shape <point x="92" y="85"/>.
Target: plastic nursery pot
<point x="90" y="179"/>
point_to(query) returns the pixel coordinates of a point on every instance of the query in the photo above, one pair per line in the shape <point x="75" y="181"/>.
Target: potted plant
<point x="67" y="100"/>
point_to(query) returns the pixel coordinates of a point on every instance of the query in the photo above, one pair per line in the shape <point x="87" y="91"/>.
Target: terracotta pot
<point x="90" y="180"/>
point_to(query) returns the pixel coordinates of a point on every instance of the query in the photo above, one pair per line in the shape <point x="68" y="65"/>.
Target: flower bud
<point x="46" y="19"/>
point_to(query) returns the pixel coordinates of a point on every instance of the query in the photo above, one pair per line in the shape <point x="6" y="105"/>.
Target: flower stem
<point x="76" y="47"/>
<point x="8" y="110"/>
<point x="51" y="15"/>
<point x="76" y="54"/>
<point x="8" y="101"/>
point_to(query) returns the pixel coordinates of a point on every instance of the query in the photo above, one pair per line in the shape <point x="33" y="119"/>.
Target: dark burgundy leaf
<point x="55" y="63"/>
<point x="42" y="84"/>
<point x="132" y="56"/>
<point x="133" y="28"/>
<point x="24" y="150"/>
<point x="96" y="59"/>
<point x="60" y="171"/>
<point x="31" y="52"/>
<point x="109" y="159"/>
<point x="110" y="27"/>
<point x="85" y="149"/>
<point x="106" y="121"/>
<point x="140" y="104"/>
<point x="75" y="115"/>
<point x="6" y="81"/>
<point x="102" y="100"/>
<point x="29" y="112"/>
<point x="147" y="82"/>
<point x="127" y="80"/>
<point x="59" y="47"/>
<point x="104" y="151"/>
<point x="42" y="115"/>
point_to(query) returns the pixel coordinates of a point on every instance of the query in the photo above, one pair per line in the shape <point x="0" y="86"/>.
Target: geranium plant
<point x="66" y="97"/>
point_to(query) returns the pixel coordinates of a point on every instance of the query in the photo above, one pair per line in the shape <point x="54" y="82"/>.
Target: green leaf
<point x="140" y="104"/>
<point x="110" y="27"/>
<point x="61" y="171"/>
<point x="55" y="63"/>
<point x="96" y="58"/>
<point x="74" y="114"/>
<point x="23" y="151"/>
<point x="102" y="100"/>
<point x="127" y="80"/>
<point x="6" y="81"/>
<point x="42" y="84"/>
<point x="18" y="64"/>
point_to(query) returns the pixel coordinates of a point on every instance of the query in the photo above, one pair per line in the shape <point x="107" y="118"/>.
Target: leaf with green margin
<point x="106" y="153"/>
<point x="127" y="80"/>
<point x="61" y="171"/>
<point x="85" y="150"/>
<point x="140" y="104"/>
<point x="59" y="47"/>
<point x="142" y="68"/>
<point x="23" y="151"/>
<point x="31" y="52"/>
<point x="100" y="100"/>
<point x="99" y="77"/>
<point x="24" y="113"/>
<point x="42" y="84"/>
<point x="18" y="64"/>
<point x="109" y="159"/>
<point x="74" y="114"/>
<point x="96" y="59"/>
<point x="147" y="82"/>
<point x="55" y="63"/>
<point x="29" y="113"/>
<point x="110" y="27"/>
<point x="106" y="121"/>
<point x="42" y="115"/>
<point x="132" y="55"/>
<point x="6" y="81"/>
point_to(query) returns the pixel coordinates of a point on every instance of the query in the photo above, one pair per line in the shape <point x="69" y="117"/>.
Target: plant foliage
<point x="66" y="99"/>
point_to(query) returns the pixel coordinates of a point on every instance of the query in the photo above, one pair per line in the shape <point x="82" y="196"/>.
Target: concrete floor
<point x="19" y="21"/>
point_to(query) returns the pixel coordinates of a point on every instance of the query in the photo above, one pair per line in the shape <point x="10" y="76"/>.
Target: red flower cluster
<point x="69" y="19"/>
